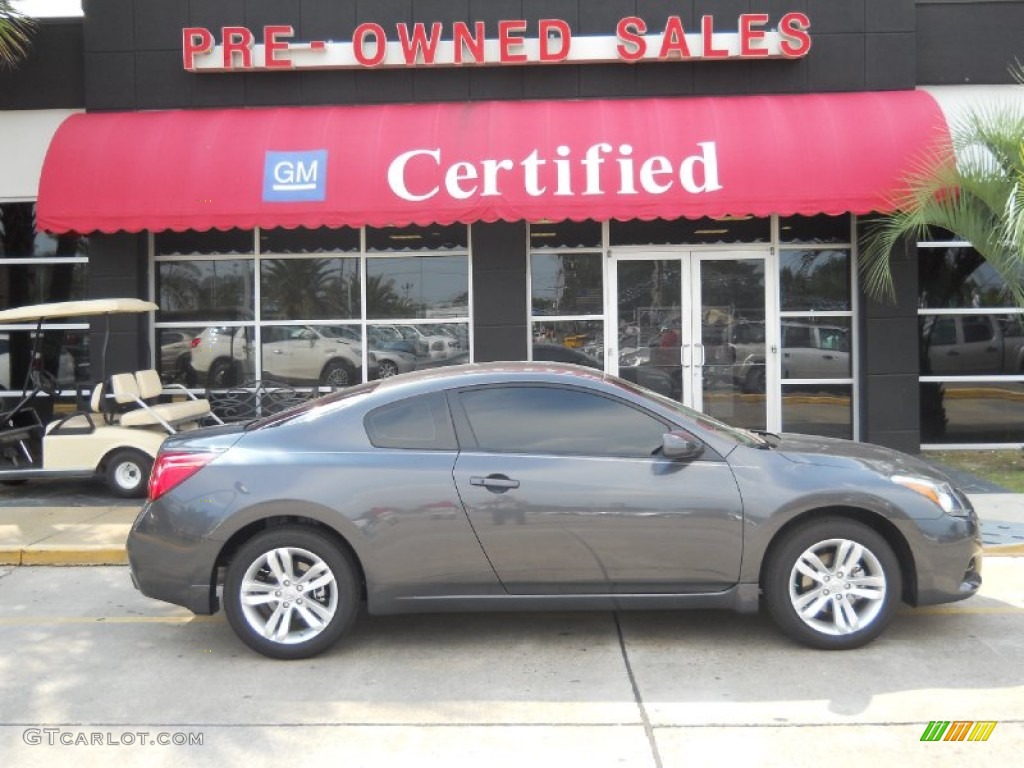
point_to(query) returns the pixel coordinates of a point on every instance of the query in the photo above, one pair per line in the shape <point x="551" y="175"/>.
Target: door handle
<point x="494" y="482"/>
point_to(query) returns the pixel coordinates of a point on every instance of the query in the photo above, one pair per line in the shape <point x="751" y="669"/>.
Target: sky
<point x="49" y="8"/>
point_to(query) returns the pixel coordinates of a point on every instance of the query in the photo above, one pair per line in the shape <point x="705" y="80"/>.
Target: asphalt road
<point x="84" y="659"/>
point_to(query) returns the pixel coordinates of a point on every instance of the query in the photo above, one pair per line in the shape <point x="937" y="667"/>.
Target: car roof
<point x="36" y="312"/>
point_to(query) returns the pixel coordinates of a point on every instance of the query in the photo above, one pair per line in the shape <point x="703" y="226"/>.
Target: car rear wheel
<point x="833" y="584"/>
<point x="223" y="374"/>
<point x="291" y="593"/>
<point x="128" y="473"/>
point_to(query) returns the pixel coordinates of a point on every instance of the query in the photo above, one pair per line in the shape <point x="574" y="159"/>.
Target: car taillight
<point x="195" y="342"/>
<point x="172" y="469"/>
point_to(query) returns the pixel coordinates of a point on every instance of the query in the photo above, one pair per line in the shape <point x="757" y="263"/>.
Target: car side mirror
<point x="681" y="445"/>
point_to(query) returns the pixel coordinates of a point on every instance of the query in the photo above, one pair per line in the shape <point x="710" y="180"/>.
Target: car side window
<point x="558" y="420"/>
<point x="417" y="423"/>
<point x="977" y="329"/>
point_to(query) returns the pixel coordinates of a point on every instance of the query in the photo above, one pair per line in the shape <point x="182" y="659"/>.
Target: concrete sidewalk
<point x="95" y="535"/>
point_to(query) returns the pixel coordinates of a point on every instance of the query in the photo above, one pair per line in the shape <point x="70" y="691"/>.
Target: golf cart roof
<point x="59" y="309"/>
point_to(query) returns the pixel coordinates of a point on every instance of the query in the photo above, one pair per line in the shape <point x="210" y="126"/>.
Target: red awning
<point x="483" y="161"/>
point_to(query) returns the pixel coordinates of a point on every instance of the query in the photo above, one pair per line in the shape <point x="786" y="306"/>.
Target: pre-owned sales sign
<point x="272" y="48"/>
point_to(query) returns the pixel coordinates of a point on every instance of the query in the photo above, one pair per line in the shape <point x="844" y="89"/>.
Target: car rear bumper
<point x="174" y="572"/>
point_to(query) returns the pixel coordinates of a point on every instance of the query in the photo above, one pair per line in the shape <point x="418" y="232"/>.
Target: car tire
<point x="127" y="473"/>
<point x="336" y="374"/>
<point x="755" y="381"/>
<point x="811" y="595"/>
<point x="269" y="569"/>
<point x="386" y="369"/>
<point x="223" y="374"/>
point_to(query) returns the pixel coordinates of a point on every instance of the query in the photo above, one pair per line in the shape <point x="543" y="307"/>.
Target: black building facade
<point x="758" y="320"/>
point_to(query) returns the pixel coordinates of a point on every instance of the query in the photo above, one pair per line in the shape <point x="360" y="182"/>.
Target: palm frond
<point x="15" y="34"/>
<point x="974" y="190"/>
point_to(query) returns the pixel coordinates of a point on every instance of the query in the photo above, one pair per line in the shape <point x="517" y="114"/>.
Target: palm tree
<point x="15" y="34"/>
<point x="973" y="189"/>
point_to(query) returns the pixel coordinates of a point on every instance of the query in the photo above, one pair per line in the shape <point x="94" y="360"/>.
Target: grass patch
<point x="1005" y="468"/>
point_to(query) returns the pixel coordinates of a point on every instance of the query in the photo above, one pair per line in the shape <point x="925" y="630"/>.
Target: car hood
<point x="832" y="452"/>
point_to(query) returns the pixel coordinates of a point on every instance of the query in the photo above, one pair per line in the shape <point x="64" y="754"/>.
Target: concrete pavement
<point x="91" y="533"/>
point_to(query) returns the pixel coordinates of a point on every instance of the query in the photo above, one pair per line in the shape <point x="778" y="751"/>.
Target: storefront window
<point x="214" y="289"/>
<point x="454" y="237"/>
<point x="815" y="229"/>
<point x="202" y="243"/>
<point x="37" y="268"/>
<point x="815" y="280"/>
<point x="310" y="289"/>
<point x="304" y="321"/>
<point x="705" y="231"/>
<point x="566" y="284"/>
<point x="565" y="234"/>
<point x="971" y="349"/>
<point x="818" y="409"/>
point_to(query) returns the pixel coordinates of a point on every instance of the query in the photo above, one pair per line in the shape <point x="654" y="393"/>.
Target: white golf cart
<point x="116" y="437"/>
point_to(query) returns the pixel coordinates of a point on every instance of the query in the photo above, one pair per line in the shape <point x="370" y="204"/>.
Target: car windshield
<point x="720" y="428"/>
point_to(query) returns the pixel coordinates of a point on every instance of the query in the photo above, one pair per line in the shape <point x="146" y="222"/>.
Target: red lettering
<point x="558" y="28"/>
<point x="707" y="32"/>
<point x="237" y="40"/>
<point x="419" y="44"/>
<point x="195" y="41"/>
<point x="507" y="40"/>
<point x="750" y="37"/>
<point x="271" y="46"/>
<point x="674" y="40"/>
<point x="380" y="41"/>
<point x="472" y="43"/>
<point x="796" y="41"/>
<point x="630" y="31"/>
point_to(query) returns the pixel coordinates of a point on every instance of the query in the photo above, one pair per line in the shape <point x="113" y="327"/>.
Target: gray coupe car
<point x="539" y="486"/>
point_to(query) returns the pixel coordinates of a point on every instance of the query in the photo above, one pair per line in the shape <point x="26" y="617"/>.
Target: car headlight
<point x="942" y="494"/>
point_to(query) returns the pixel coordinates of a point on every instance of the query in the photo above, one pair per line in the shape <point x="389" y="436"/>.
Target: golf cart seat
<point x="142" y="388"/>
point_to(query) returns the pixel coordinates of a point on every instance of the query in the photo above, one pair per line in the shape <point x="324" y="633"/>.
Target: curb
<point x="66" y="557"/>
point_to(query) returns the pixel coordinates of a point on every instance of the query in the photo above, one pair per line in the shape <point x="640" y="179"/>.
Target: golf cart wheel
<point x="291" y="593"/>
<point x="832" y="584"/>
<point x="128" y="473"/>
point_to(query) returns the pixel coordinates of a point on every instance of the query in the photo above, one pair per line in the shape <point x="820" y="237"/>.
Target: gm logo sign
<point x="295" y="177"/>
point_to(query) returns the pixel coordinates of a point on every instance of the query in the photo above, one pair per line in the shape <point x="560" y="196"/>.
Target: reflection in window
<point x="580" y="342"/>
<point x="203" y="243"/>
<point x="818" y="409"/>
<point x="727" y="229"/>
<point x="991" y="412"/>
<point x="417" y="287"/>
<point x="556" y="420"/>
<point x="322" y="240"/>
<point x="958" y="277"/>
<point x="815" y="280"/>
<point x="454" y="237"/>
<point x="309" y="289"/>
<point x="217" y="289"/>
<point x="815" y="229"/>
<point x="971" y="345"/>
<point x="569" y="284"/>
<point x="565" y="234"/>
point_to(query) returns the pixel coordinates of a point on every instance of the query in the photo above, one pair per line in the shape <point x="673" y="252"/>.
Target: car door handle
<point x="494" y="481"/>
<point x="827" y="357"/>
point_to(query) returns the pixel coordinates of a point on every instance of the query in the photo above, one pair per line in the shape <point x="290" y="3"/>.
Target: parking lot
<point x="81" y="654"/>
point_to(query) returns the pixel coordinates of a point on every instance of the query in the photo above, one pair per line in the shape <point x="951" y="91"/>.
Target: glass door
<point x="695" y="326"/>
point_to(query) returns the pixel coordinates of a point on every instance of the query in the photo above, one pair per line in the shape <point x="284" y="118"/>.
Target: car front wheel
<point x="833" y="584"/>
<point x="291" y="593"/>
